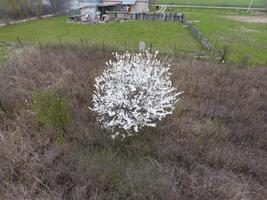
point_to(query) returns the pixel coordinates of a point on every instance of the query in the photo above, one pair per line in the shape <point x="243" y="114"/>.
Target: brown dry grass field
<point x="212" y="148"/>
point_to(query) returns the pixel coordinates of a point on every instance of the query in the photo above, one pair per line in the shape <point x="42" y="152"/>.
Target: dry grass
<point x="213" y="147"/>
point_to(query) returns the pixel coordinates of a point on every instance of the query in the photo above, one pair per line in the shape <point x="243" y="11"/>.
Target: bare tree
<point x="35" y="6"/>
<point x="59" y="6"/>
<point x="19" y="9"/>
<point x="8" y="8"/>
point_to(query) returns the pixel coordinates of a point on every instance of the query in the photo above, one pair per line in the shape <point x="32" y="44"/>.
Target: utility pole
<point x="251" y="1"/>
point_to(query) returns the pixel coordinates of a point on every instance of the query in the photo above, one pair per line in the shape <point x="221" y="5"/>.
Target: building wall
<point x="140" y="6"/>
<point x="89" y="13"/>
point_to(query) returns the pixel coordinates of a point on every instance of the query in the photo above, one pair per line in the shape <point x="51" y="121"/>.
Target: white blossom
<point x="134" y="91"/>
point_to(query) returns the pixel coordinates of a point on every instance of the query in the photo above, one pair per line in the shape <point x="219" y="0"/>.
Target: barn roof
<point x="108" y="4"/>
<point x="128" y="2"/>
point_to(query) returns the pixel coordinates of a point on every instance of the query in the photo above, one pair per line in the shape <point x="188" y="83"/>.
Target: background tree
<point x="35" y="6"/>
<point x="19" y="9"/>
<point x="59" y="6"/>
<point x="11" y="9"/>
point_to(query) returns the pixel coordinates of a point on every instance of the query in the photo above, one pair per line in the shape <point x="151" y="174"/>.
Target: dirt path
<point x="250" y="19"/>
<point x="211" y="7"/>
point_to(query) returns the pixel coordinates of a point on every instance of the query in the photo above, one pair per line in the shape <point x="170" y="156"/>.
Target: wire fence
<point x="2" y="24"/>
<point x="100" y="47"/>
<point x="146" y="16"/>
<point x="218" y="54"/>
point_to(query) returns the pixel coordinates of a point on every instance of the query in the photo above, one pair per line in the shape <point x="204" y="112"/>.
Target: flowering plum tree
<point x="134" y="91"/>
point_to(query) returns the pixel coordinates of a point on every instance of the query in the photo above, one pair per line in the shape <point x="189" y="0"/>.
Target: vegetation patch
<point x="3" y="53"/>
<point x="51" y="110"/>
<point x="165" y="36"/>
<point x="212" y="147"/>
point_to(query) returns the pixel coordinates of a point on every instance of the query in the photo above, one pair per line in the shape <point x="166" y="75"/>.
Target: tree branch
<point x="2" y="107"/>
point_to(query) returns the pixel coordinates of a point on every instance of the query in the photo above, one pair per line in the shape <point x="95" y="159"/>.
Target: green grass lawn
<point x="256" y="3"/>
<point x="246" y="42"/>
<point x="162" y="35"/>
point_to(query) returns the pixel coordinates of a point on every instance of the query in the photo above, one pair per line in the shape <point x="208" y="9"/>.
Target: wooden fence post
<point x="82" y="43"/>
<point x="103" y="46"/>
<point x="125" y="46"/>
<point x="19" y="41"/>
<point x="59" y="41"/>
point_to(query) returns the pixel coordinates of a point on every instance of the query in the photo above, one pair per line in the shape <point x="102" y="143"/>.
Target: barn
<point x="96" y="10"/>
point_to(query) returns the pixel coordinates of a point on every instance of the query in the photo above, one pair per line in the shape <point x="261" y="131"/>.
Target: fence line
<point x="25" y="20"/>
<point x="198" y="34"/>
<point x="86" y="44"/>
<point x="217" y="53"/>
<point x="145" y="16"/>
<point x="212" y="51"/>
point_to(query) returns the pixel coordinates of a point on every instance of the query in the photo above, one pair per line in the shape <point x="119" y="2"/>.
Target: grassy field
<point x="256" y="3"/>
<point x="162" y="35"/>
<point x="246" y="42"/>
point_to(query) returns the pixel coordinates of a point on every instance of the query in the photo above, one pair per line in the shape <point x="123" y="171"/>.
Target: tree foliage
<point x="19" y="9"/>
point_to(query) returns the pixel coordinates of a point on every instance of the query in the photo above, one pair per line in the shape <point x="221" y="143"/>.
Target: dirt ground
<point x="250" y="19"/>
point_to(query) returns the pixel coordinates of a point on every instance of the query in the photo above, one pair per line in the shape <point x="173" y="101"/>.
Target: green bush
<point x="51" y="110"/>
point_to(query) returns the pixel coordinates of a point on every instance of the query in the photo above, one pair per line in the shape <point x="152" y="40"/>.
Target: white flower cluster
<point x="133" y="92"/>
